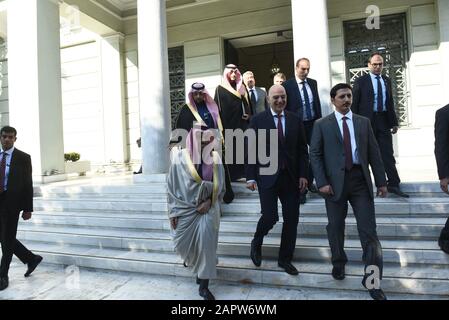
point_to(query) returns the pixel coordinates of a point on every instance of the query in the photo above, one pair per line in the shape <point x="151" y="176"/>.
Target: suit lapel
<point x="356" y="123"/>
<point x="335" y="127"/>
<point x="370" y="87"/>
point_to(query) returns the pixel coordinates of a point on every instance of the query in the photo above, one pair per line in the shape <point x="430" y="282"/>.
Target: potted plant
<point x="73" y="165"/>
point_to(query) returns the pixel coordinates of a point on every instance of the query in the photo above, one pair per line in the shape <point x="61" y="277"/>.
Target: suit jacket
<point x="327" y="154"/>
<point x="442" y="141"/>
<point x="262" y="103"/>
<point x="19" y="195"/>
<point x="294" y="100"/>
<point x="363" y="99"/>
<point x="294" y="149"/>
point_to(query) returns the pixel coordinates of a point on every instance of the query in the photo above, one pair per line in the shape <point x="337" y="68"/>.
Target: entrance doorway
<point x="262" y="54"/>
<point x="391" y="41"/>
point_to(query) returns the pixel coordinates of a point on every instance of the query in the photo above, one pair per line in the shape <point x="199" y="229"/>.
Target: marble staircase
<point x="118" y="224"/>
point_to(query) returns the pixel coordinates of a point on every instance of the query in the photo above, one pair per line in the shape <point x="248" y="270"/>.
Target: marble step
<point x="429" y="280"/>
<point x="404" y="227"/>
<point x="396" y="251"/>
<point x="414" y="206"/>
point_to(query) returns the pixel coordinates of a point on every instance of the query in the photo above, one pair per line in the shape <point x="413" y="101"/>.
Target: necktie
<point x="307" y="101"/>
<point x="253" y="99"/>
<point x="281" y="141"/>
<point x="347" y="143"/>
<point x="3" y="172"/>
<point x="380" y="96"/>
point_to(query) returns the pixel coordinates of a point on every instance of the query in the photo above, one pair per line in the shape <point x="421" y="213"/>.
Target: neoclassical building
<point x="92" y="76"/>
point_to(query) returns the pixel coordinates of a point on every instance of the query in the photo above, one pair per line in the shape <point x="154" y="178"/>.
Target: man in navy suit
<point x="373" y="99"/>
<point x="16" y="195"/>
<point x="304" y="100"/>
<point x="288" y="179"/>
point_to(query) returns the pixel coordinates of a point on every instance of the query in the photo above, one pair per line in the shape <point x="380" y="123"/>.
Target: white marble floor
<point x="53" y="282"/>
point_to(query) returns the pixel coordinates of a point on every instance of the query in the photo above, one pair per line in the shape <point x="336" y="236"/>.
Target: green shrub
<point x="72" y="156"/>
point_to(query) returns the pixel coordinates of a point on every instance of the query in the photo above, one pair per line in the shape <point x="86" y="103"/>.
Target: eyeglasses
<point x="377" y="64"/>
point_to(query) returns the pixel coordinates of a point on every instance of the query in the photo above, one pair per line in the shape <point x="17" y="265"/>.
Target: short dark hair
<point x="374" y="54"/>
<point x="302" y="59"/>
<point x="339" y="86"/>
<point x="8" y="129"/>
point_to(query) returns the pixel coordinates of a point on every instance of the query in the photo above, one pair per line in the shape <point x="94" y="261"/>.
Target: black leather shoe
<point x="206" y="294"/>
<point x="397" y="191"/>
<point x="256" y="254"/>
<point x="288" y="267"/>
<point x="376" y="294"/>
<point x="4" y="282"/>
<point x="228" y="196"/>
<point x="444" y="245"/>
<point x="302" y="198"/>
<point x="313" y="188"/>
<point x="32" y="265"/>
<point x="338" y="273"/>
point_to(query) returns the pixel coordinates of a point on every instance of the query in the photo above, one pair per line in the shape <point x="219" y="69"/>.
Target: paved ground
<point x="53" y="282"/>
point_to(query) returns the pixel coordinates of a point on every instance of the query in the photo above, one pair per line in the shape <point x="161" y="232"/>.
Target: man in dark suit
<point x="16" y="195"/>
<point x="442" y="158"/>
<point x="373" y="98"/>
<point x="304" y="100"/>
<point x="287" y="179"/>
<point x="343" y="146"/>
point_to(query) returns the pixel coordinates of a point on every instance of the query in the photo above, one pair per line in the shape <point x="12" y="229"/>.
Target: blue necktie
<point x="307" y="101"/>
<point x="380" y="96"/>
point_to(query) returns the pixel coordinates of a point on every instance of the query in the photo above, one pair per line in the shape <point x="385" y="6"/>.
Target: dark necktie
<point x="3" y="172"/>
<point x="347" y="143"/>
<point x="307" y="101"/>
<point x="380" y="96"/>
<point x="281" y="141"/>
<point x="253" y="99"/>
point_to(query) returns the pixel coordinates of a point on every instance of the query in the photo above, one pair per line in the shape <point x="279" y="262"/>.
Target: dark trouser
<point x="308" y="128"/>
<point x="10" y="245"/>
<point x="287" y="191"/>
<point x="384" y="139"/>
<point x="355" y="191"/>
<point x="444" y="235"/>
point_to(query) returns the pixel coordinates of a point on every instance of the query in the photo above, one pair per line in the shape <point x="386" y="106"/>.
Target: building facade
<point x="92" y="76"/>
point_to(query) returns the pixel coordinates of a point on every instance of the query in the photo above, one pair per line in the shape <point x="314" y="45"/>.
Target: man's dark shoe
<point x="4" y="282"/>
<point x="397" y="191"/>
<point x="206" y="294"/>
<point x="256" y="254"/>
<point x="228" y="196"/>
<point x="288" y="267"/>
<point x="338" y="273"/>
<point x="376" y="294"/>
<point x="444" y="245"/>
<point x="302" y="198"/>
<point x="32" y="265"/>
<point x="313" y="188"/>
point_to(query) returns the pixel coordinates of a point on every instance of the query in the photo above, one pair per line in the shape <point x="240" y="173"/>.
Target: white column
<point x="154" y="88"/>
<point x="112" y="72"/>
<point x="311" y="40"/>
<point x="443" y="14"/>
<point x="35" y="103"/>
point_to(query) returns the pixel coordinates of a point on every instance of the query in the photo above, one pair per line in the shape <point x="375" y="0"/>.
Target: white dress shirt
<point x="384" y="91"/>
<point x="349" y="115"/>
<point x="8" y="164"/>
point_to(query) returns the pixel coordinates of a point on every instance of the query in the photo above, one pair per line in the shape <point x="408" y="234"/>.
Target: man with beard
<point x="343" y="146"/>
<point x="232" y="100"/>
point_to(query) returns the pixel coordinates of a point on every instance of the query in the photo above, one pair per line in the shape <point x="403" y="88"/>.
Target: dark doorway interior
<point x="260" y="58"/>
